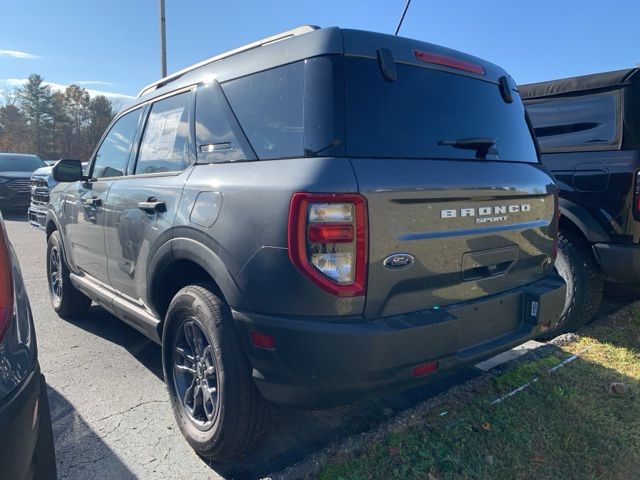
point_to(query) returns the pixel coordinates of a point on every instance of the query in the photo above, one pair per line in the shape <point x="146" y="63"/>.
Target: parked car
<point x="314" y="217"/>
<point x="15" y="179"/>
<point x="41" y="183"/>
<point x="588" y="129"/>
<point x="26" y="445"/>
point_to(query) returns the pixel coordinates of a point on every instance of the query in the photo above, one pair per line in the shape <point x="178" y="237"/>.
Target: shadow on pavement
<point x="101" y="323"/>
<point x="298" y="433"/>
<point x="295" y="433"/>
<point x="80" y="452"/>
<point x="15" y="215"/>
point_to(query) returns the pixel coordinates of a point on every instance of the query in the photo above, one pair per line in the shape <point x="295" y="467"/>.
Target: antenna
<point x="404" y="12"/>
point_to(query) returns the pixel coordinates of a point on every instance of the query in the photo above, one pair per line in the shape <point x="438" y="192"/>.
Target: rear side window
<point x="576" y="121"/>
<point x="113" y="155"/>
<point x="424" y="109"/>
<point x="165" y="144"/>
<point x="268" y="106"/>
<point x="217" y="135"/>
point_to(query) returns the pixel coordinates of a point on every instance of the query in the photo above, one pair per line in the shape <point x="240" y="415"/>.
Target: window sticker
<point x="160" y="135"/>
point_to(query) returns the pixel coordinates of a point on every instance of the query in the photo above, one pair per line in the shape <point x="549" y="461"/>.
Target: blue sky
<point x="113" y="45"/>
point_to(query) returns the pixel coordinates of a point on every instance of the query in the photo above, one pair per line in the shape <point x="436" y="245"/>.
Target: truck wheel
<point x="577" y="265"/>
<point x="66" y="299"/>
<point x="216" y="404"/>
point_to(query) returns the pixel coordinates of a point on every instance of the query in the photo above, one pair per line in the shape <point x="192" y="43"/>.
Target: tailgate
<point x="472" y="229"/>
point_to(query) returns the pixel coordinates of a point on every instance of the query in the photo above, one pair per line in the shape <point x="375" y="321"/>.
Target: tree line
<point x="36" y="119"/>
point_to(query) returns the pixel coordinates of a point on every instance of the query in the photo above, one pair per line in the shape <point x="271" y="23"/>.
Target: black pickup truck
<point x="588" y="129"/>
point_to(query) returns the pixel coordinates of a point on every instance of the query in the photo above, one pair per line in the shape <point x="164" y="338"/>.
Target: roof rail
<point x="265" y="41"/>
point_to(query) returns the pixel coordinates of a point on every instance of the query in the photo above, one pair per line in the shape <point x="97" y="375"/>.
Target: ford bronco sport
<point x="588" y="129"/>
<point x="316" y="216"/>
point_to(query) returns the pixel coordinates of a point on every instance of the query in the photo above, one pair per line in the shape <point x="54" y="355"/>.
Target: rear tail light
<point x="6" y="282"/>
<point x="262" y="340"/>
<point x="451" y="62"/>
<point x="328" y="240"/>
<point x="425" y="369"/>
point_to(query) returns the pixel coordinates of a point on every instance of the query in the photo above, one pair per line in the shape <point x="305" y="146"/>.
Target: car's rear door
<point x="85" y="200"/>
<point x="448" y="167"/>
<point x="141" y="207"/>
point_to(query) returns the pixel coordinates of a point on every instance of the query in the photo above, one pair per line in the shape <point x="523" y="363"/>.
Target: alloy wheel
<point x="194" y="374"/>
<point x="55" y="273"/>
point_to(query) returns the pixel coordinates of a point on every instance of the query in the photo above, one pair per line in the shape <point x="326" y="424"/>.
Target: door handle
<point x="93" y="202"/>
<point x="152" y="205"/>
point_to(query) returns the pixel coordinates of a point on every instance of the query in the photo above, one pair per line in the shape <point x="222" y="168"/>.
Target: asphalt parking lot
<point x="111" y="415"/>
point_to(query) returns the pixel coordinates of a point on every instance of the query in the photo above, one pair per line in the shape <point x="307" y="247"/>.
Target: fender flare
<point x="183" y="248"/>
<point x="53" y="218"/>
<point x="584" y="221"/>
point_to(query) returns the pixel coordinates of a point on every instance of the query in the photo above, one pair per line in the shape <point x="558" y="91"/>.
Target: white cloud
<point x="19" y="54"/>
<point x="117" y="98"/>
<point x="92" y="82"/>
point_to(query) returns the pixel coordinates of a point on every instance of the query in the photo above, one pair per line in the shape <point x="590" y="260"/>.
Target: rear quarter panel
<point x="249" y="234"/>
<point x="602" y="183"/>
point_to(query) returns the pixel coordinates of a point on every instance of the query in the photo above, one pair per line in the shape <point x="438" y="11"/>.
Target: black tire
<point x="238" y="416"/>
<point x="585" y="284"/>
<point x="67" y="301"/>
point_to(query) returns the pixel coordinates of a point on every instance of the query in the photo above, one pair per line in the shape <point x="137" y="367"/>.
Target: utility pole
<point x="163" y="41"/>
<point x="404" y="12"/>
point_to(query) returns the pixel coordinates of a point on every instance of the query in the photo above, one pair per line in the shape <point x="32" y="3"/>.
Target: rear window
<point x="576" y="121"/>
<point x="408" y="118"/>
<point x="20" y="163"/>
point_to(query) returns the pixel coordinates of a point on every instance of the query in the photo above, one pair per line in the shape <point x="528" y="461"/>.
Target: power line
<point x="404" y="12"/>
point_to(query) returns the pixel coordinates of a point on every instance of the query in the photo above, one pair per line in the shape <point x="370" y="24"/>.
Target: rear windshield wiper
<point x="482" y="146"/>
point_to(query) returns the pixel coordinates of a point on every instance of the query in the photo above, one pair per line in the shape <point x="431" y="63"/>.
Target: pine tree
<point x="52" y="124"/>
<point x="35" y="102"/>
<point x="13" y="129"/>
<point x="77" y="102"/>
<point x="59" y="126"/>
<point x="101" y="113"/>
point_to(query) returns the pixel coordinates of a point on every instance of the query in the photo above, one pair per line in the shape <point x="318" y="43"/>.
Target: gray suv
<point x="319" y="215"/>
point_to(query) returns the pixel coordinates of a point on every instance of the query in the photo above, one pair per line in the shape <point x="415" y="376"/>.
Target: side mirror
<point x="67" y="171"/>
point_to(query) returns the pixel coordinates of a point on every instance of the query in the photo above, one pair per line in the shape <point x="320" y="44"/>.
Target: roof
<point x="259" y="43"/>
<point x="299" y="44"/>
<point x="596" y="81"/>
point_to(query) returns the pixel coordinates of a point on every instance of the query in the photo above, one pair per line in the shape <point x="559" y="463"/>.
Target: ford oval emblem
<point x="398" y="261"/>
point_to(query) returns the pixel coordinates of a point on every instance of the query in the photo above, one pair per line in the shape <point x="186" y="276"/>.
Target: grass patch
<point x="567" y="425"/>
<point x="524" y="373"/>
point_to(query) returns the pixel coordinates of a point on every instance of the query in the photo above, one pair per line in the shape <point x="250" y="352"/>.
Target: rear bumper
<point x="320" y="363"/>
<point x="37" y="216"/>
<point x="620" y="263"/>
<point x="30" y="444"/>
